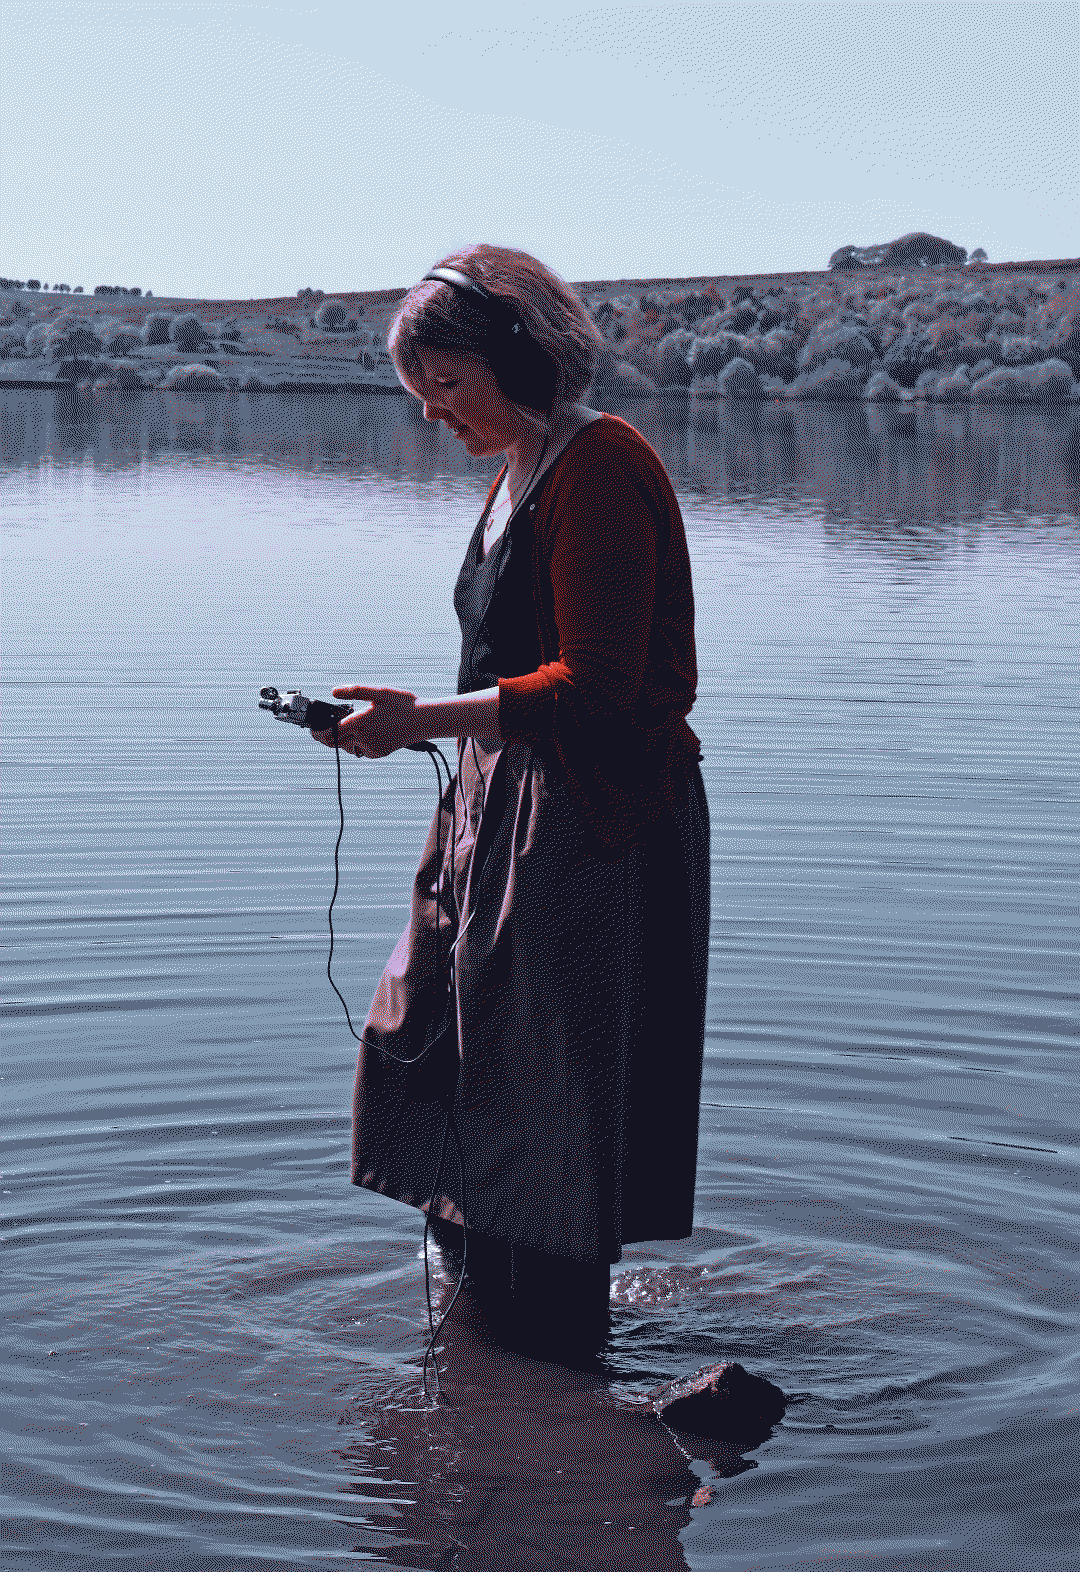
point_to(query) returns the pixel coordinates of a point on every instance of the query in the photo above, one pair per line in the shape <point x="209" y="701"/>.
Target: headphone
<point x="524" y="371"/>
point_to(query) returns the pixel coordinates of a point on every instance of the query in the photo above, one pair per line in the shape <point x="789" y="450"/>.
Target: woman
<point x="567" y="871"/>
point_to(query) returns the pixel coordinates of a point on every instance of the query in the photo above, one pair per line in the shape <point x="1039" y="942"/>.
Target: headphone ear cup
<point x="525" y="372"/>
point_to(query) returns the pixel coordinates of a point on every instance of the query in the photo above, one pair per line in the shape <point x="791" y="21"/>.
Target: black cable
<point x="431" y="749"/>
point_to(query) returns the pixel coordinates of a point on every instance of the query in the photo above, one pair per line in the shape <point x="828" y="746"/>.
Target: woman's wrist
<point x="466" y="715"/>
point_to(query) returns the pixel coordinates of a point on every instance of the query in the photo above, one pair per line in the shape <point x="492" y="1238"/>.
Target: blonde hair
<point x="434" y="315"/>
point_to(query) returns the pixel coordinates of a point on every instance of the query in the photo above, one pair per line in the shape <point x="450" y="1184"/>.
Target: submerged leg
<point x="539" y="1304"/>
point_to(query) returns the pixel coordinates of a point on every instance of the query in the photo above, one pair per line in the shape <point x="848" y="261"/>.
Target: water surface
<point x="213" y="1342"/>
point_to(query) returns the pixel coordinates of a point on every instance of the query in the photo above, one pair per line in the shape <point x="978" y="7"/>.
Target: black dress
<point x="579" y="988"/>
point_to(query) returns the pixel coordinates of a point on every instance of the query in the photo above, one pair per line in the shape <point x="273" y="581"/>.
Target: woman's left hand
<point x="390" y="723"/>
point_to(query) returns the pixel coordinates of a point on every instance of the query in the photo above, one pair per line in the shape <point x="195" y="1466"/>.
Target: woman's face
<point x="459" y="389"/>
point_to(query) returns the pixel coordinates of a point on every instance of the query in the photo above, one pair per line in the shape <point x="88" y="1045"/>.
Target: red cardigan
<point x="615" y="613"/>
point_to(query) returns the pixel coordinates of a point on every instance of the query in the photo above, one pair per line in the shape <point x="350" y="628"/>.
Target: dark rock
<point x="722" y="1401"/>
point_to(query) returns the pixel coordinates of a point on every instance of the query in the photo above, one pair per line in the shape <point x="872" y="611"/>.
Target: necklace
<point x="490" y="534"/>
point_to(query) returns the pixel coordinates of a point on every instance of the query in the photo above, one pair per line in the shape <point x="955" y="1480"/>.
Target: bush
<point x="837" y="343"/>
<point x="194" y="378"/>
<point x="1004" y="385"/>
<point x="155" y="330"/>
<point x="332" y="317"/>
<point x="710" y="355"/>
<point x="33" y="283"/>
<point x="922" y="250"/>
<point x="1053" y="380"/>
<point x="739" y="380"/>
<point x="122" y="341"/>
<point x="835" y="379"/>
<point x="955" y="386"/>
<point x="188" y="333"/>
<point x="672" y="359"/>
<point x="882" y="389"/>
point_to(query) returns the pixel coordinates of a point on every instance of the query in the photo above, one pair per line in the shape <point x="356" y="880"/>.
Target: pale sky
<point x="247" y="150"/>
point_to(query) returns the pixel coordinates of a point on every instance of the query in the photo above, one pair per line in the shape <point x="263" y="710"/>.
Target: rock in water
<point x="722" y="1401"/>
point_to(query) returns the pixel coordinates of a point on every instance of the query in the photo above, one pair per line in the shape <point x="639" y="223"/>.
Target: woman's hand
<point x="390" y="723"/>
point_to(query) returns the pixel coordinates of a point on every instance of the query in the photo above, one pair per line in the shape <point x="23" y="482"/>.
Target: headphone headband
<point x="450" y="275"/>
<point x="525" y="372"/>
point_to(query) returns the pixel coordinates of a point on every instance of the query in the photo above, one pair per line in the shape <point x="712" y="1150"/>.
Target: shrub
<point x="739" y="380"/>
<point x="188" y="333"/>
<point x="122" y="341"/>
<point x="835" y="379"/>
<point x="33" y="283"/>
<point x="672" y="359"/>
<point x="1053" y="380"/>
<point x="1005" y="384"/>
<point x="194" y="378"/>
<point x="74" y="340"/>
<point x="837" y="343"/>
<point x="955" y="386"/>
<point x="155" y="330"/>
<point x="332" y="317"/>
<point x="882" y="389"/>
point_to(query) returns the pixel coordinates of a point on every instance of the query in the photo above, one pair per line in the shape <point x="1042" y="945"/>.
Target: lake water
<point x="213" y="1342"/>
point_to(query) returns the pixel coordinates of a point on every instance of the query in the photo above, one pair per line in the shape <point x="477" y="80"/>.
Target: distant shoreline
<point x="996" y="331"/>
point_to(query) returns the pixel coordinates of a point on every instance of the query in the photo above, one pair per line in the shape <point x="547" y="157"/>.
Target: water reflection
<point x="889" y="470"/>
<point x="528" y="1464"/>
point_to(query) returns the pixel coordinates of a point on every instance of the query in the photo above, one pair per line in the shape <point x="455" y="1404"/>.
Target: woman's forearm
<point x="466" y="715"/>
